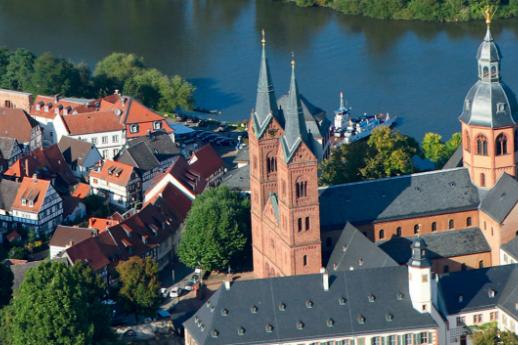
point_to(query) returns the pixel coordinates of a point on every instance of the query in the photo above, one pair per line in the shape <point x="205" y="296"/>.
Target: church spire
<point x="488" y="54"/>
<point x="295" y="127"/>
<point x="266" y="102"/>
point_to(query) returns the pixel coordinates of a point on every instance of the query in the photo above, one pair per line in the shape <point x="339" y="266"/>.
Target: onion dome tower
<point x="489" y="118"/>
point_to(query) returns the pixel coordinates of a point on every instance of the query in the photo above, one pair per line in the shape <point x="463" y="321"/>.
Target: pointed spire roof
<point x="295" y="127"/>
<point x="266" y="102"/>
<point x="420" y="257"/>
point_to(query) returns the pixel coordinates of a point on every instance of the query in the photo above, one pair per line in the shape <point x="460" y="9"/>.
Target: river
<point x="418" y="71"/>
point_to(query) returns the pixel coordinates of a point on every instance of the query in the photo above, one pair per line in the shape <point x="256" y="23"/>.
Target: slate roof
<point x="7" y="146"/>
<point x="501" y="199"/>
<point x="242" y="155"/>
<point x="397" y="198"/>
<point x="476" y="287"/>
<point x="441" y="244"/>
<point x="139" y="156"/>
<point x="355" y="251"/>
<point x="160" y="143"/>
<point x="20" y="270"/>
<point x="255" y="308"/>
<point x="238" y="178"/>
<point x="511" y="248"/>
<point x="8" y="190"/>
<point x="74" y="150"/>
<point x="455" y="161"/>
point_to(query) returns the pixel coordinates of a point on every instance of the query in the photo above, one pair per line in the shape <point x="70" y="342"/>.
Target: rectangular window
<point x="105" y="153"/>
<point x="424" y="278"/>
<point x="105" y="139"/>
<point x="94" y="141"/>
<point x="115" y="139"/>
<point x="134" y="128"/>
<point x="460" y="321"/>
<point x="361" y="341"/>
<point x="407" y="339"/>
<point x="493" y="316"/>
<point x="424" y="338"/>
<point x="299" y="224"/>
<point x="391" y="340"/>
<point x="157" y="124"/>
<point x="307" y="223"/>
<point x="375" y="341"/>
<point x="477" y="318"/>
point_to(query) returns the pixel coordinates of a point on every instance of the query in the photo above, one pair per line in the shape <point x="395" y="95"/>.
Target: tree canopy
<point x="6" y="283"/>
<point x="57" y="304"/>
<point x="438" y="151"/>
<point x="488" y="334"/>
<point x="344" y="163"/>
<point x="217" y="230"/>
<point x="139" y="285"/>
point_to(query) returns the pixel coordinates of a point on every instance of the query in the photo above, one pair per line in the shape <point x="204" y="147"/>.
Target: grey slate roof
<point x="265" y="105"/>
<point x="139" y="156"/>
<point x="289" y="309"/>
<point x="160" y="144"/>
<point x="238" y="178"/>
<point x="511" y="248"/>
<point x="74" y="150"/>
<point x="475" y="287"/>
<point x="355" y="251"/>
<point x="489" y="103"/>
<point x="397" y="198"/>
<point x="501" y="199"/>
<point x="295" y="131"/>
<point x="455" y="161"/>
<point x="7" y="146"/>
<point x="242" y="155"/>
<point x="8" y="190"/>
<point x="441" y="244"/>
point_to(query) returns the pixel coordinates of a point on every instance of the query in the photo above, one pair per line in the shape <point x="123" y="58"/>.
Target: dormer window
<point x="491" y="293"/>
<point x="134" y="128"/>
<point x="500" y="107"/>
<point x="31" y="203"/>
<point x="157" y="124"/>
<point x="372" y="298"/>
<point x="24" y="201"/>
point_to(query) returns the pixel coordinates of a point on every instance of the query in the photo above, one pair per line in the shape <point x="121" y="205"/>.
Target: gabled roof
<point x="8" y="191"/>
<point x="68" y="236"/>
<point x="33" y="191"/>
<point x="74" y="150"/>
<point x="355" y="251"/>
<point x="16" y="123"/>
<point x="91" y="252"/>
<point x="288" y="309"/>
<point x="101" y="224"/>
<point x="7" y="147"/>
<point x="44" y="162"/>
<point x="175" y="201"/>
<point x="81" y="190"/>
<point x="501" y="199"/>
<point x="511" y="248"/>
<point x="92" y="122"/>
<point x="67" y="105"/>
<point x="139" y="156"/>
<point x="114" y="172"/>
<point x="160" y="144"/>
<point x="205" y="161"/>
<point x="398" y="198"/>
<point x="455" y="161"/>
<point x="481" y="289"/>
<point x="440" y="244"/>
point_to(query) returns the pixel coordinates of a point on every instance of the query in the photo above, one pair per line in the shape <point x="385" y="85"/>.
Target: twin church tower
<point x="288" y="137"/>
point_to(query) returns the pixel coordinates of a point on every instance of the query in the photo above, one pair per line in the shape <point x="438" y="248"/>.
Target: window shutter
<point x="419" y="338"/>
<point x="399" y="340"/>
<point x="430" y="339"/>
<point x="415" y="339"/>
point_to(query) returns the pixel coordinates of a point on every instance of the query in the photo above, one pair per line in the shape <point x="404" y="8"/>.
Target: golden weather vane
<point x="489" y="13"/>
<point x="263" y="37"/>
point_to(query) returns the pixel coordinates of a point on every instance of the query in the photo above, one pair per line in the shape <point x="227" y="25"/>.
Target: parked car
<point x="189" y="286"/>
<point x="175" y="292"/>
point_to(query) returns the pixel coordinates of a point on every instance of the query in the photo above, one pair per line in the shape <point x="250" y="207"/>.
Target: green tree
<point x="6" y="279"/>
<point x="176" y="92"/>
<point x="390" y="153"/>
<point x="139" y="285"/>
<point x="57" y="304"/>
<point x="217" y="230"/>
<point x="19" y="70"/>
<point x="54" y="76"/>
<point x="488" y="334"/>
<point x="4" y="60"/>
<point x="438" y="151"/>
<point x="453" y="143"/>
<point x="112" y="71"/>
<point x="344" y="164"/>
<point x="19" y="253"/>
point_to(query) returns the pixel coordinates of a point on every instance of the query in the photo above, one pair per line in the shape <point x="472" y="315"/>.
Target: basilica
<point x="406" y="260"/>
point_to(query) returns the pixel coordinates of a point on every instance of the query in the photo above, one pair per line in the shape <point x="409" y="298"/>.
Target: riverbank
<point x="425" y="10"/>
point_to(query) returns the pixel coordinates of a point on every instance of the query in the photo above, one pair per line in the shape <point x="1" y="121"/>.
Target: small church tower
<point x="489" y="119"/>
<point x="419" y="277"/>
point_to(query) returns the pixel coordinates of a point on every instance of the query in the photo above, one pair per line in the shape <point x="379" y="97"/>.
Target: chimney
<point x="227" y="284"/>
<point x="56" y="98"/>
<point x="116" y="92"/>
<point x="325" y="279"/>
<point x="70" y="244"/>
<point x="26" y="167"/>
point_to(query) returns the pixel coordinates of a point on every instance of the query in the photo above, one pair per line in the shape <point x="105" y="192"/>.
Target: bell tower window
<point x="467" y="143"/>
<point x="271" y="165"/>
<point x="481" y="145"/>
<point x="301" y="189"/>
<point x="501" y="145"/>
<point x="482" y="180"/>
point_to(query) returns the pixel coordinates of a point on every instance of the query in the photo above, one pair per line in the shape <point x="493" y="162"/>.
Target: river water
<point x="418" y="71"/>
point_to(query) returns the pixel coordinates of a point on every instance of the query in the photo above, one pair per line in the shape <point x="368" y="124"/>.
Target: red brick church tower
<point x="284" y="184"/>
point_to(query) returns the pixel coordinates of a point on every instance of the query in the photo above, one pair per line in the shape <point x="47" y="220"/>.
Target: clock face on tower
<point x="272" y="131"/>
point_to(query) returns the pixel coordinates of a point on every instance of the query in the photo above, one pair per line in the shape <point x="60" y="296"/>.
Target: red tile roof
<point x="101" y="224"/>
<point x="175" y="201"/>
<point x="114" y="172"/>
<point x="91" y="252"/>
<point x="93" y="122"/>
<point x="13" y="236"/>
<point x="68" y="236"/>
<point x="206" y="161"/>
<point x="64" y="106"/>
<point x="81" y="190"/>
<point x="31" y="195"/>
<point x="16" y="123"/>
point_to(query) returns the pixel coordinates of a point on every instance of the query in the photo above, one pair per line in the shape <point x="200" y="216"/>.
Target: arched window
<point x="416" y="228"/>
<point x="451" y="224"/>
<point x="485" y="72"/>
<point x="467" y="141"/>
<point x="481" y="264"/>
<point x="481" y="145"/>
<point x="381" y="234"/>
<point x="307" y="223"/>
<point x="398" y="231"/>
<point x="493" y="71"/>
<point x="501" y="144"/>
<point x="482" y="180"/>
<point x="299" y="224"/>
<point x="301" y="189"/>
<point x="434" y="226"/>
<point x="305" y="260"/>
<point x="468" y="221"/>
